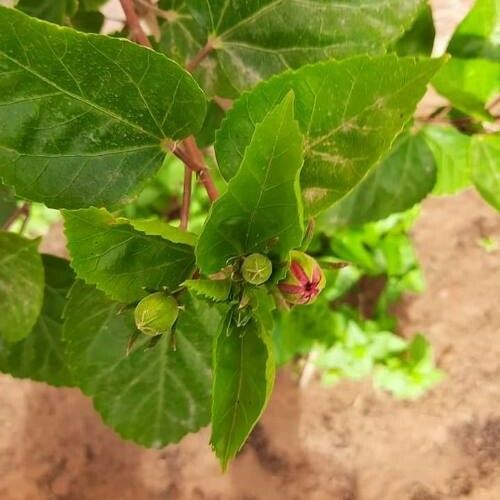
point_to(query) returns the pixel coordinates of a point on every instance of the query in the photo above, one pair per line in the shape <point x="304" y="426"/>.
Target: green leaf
<point x="485" y="164"/>
<point x="157" y="227"/>
<point x="88" y="21"/>
<point x="84" y="116"/>
<point x="96" y="332"/>
<point x="155" y="395"/>
<point x="243" y="368"/>
<point x="419" y="39"/>
<point x="21" y="286"/>
<point x="7" y="203"/>
<point x="55" y="11"/>
<point x="451" y="151"/>
<point x="216" y="290"/>
<point x="255" y="39"/>
<point x="262" y="201"/>
<point x="120" y="260"/>
<point x="350" y="111"/>
<point x="298" y="330"/>
<point x="469" y="84"/>
<point x="206" y="136"/>
<point x="90" y="5"/>
<point x="412" y="374"/>
<point x="477" y="35"/>
<point x="400" y="181"/>
<point x="41" y="355"/>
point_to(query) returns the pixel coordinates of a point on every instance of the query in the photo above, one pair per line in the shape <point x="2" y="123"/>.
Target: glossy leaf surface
<point x="261" y="209"/>
<point x="350" y="112"/>
<point x="41" y="355"/>
<point x="21" y="286"/>
<point x="124" y="262"/>
<point x="84" y="115"/>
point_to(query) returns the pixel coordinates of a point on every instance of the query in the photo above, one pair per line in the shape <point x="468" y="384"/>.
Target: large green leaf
<point x="83" y="116"/>
<point x="40" y="356"/>
<point x="55" y="11"/>
<point x="21" y="286"/>
<point x="470" y="85"/>
<point x="255" y="39"/>
<point x="155" y="395"/>
<point x="485" y="166"/>
<point x="262" y="202"/>
<point x="419" y="39"/>
<point x="96" y="332"/>
<point x="350" y="112"/>
<point x="122" y="261"/>
<point x="243" y="379"/>
<point x="400" y="181"/>
<point x="88" y="18"/>
<point x="477" y="34"/>
<point x="451" y="151"/>
<point x="7" y="203"/>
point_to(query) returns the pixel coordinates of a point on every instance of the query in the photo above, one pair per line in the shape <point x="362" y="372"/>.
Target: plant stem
<point x="24" y="209"/>
<point x="186" y="198"/>
<point x="223" y="103"/>
<point x="308" y="370"/>
<point x="192" y="158"/>
<point x="134" y="24"/>
<point x="193" y="63"/>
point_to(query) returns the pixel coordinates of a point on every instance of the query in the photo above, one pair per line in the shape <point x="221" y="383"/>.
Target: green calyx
<point x="156" y="314"/>
<point x="256" y="269"/>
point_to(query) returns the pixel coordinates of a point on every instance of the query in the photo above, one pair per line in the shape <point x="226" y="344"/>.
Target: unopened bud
<point x="156" y="314"/>
<point x="256" y="269"/>
<point x="304" y="281"/>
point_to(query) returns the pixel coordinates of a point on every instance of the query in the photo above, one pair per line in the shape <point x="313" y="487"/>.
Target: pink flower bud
<point x="304" y="280"/>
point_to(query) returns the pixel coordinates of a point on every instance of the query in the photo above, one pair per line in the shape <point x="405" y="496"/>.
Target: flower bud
<point x="304" y="280"/>
<point x="256" y="269"/>
<point x="156" y="314"/>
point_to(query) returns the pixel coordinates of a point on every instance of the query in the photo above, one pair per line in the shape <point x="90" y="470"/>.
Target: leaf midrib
<point x="237" y="403"/>
<point x="102" y="110"/>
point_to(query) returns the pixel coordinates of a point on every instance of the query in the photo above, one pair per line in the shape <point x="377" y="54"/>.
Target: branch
<point x="186" y="198"/>
<point x="192" y="64"/>
<point x="134" y="24"/>
<point x="191" y="156"/>
<point x="223" y="103"/>
<point x="24" y="209"/>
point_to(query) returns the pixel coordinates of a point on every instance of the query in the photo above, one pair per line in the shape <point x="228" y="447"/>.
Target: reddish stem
<point x="223" y="103"/>
<point x="186" y="198"/>
<point x="193" y="63"/>
<point x="193" y="158"/>
<point x="134" y="24"/>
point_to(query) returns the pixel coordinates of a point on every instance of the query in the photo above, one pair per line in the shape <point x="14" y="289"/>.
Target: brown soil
<point x="345" y="443"/>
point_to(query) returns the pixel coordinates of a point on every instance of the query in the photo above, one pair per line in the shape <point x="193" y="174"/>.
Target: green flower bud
<point x="156" y="314"/>
<point x="304" y="281"/>
<point x="256" y="269"/>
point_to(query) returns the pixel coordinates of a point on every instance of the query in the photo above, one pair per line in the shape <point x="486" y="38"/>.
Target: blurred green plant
<point x="352" y="332"/>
